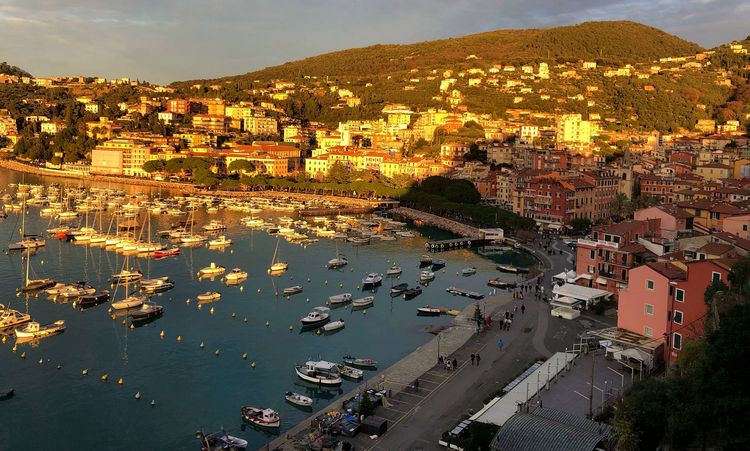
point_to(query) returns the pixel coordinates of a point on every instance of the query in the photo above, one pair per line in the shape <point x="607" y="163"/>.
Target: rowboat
<point x="351" y="373"/>
<point x="334" y="326"/>
<point x="412" y="292"/>
<point x="209" y="296"/>
<point x="220" y="442"/>
<point x="298" y="400"/>
<point x="363" y="302"/>
<point x="360" y="363"/>
<point x="429" y="311"/>
<point x="340" y="299"/>
<point x="468" y="271"/>
<point x="292" y="290"/>
<point x="399" y="289"/>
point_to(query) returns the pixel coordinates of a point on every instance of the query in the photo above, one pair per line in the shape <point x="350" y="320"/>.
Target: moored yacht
<point x="318" y="316"/>
<point x="319" y="372"/>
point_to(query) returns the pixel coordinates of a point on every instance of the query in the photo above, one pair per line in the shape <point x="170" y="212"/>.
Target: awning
<point x="586" y="276"/>
<point x="601" y="281"/>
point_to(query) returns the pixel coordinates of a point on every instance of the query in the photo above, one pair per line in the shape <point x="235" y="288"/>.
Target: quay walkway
<point x="440" y="222"/>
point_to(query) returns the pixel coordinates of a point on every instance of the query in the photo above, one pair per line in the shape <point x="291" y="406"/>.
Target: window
<point x="649" y="309"/>
<point x="648" y="331"/>
<point x="679" y="295"/>
<point x="650" y="285"/>
<point x="677" y="341"/>
<point x="592" y="254"/>
<point x="591" y="269"/>
<point x="715" y="277"/>
<point x="744" y="227"/>
<point x="677" y="317"/>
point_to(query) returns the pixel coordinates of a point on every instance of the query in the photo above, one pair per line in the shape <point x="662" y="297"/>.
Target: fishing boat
<point x="351" y="372"/>
<point x="148" y="311"/>
<point x="429" y="311"/>
<point x="319" y="372"/>
<point x="264" y="418"/>
<point x="372" y="280"/>
<point x="333" y="326"/>
<point x="340" y="299"/>
<point x="367" y="363"/>
<point x="292" y="290"/>
<point x="36" y="330"/>
<point x="363" y="302"/>
<point x="277" y="266"/>
<point x="171" y="252"/>
<point x="426" y="276"/>
<point x="437" y="264"/>
<point x="221" y="241"/>
<point x="10" y="318"/>
<point x="298" y="400"/>
<point x="468" y="271"/>
<point x="90" y="300"/>
<point x="208" y="296"/>
<point x="411" y="293"/>
<point x="497" y="283"/>
<point x="235" y="275"/>
<point x="394" y="271"/>
<point x="211" y="270"/>
<point x="398" y="289"/>
<point x="425" y="260"/>
<point x="512" y="269"/>
<point x="317" y="317"/>
<point x="220" y="442"/>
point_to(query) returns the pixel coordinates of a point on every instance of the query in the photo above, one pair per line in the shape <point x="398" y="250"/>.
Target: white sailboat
<point x="338" y="261"/>
<point x="277" y="265"/>
<point x="129" y="301"/>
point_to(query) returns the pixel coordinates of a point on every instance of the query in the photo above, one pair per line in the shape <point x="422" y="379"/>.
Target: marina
<point x="252" y="337"/>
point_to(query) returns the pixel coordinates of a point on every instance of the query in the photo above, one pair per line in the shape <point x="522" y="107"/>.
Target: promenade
<point x="462" y="230"/>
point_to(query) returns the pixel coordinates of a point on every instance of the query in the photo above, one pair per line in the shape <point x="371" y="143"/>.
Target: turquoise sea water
<point x="192" y="387"/>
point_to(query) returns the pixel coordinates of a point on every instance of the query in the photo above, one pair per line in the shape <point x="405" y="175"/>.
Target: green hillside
<point x="615" y="41"/>
<point x="7" y="69"/>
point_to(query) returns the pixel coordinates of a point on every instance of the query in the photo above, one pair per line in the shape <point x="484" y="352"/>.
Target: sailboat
<point x="338" y="261"/>
<point x="192" y="238"/>
<point x="34" y="284"/>
<point x="277" y="266"/>
<point x="128" y="302"/>
<point x="149" y="246"/>
<point x="27" y="241"/>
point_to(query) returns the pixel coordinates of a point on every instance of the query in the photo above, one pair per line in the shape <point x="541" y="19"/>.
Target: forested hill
<point x="8" y="69"/>
<point x="609" y="42"/>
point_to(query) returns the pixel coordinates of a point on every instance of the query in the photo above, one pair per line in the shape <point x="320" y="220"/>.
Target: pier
<point x="440" y="222"/>
<point x="336" y="211"/>
<point x="465" y="293"/>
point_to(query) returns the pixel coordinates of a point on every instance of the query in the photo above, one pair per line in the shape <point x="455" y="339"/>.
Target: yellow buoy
<point x="242" y="288"/>
<point x="119" y="381"/>
<point x="161" y="334"/>
<point x="252" y="364"/>
<point x="212" y="310"/>
<point x="200" y="306"/>
<point x="245" y="319"/>
<point x="132" y="326"/>
<point x="244" y="356"/>
<point x="104" y="377"/>
<point x="41" y="361"/>
<point x="179" y="338"/>
<point x="187" y="301"/>
<point x="5" y="338"/>
<point x="317" y="332"/>
<point x="234" y="315"/>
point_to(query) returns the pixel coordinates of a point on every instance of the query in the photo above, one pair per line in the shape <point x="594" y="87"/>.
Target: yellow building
<point x="714" y="171"/>
<point x="261" y="125"/>
<point x="101" y="129"/>
<point x="214" y="122"/>
<point x="572" y="129"/>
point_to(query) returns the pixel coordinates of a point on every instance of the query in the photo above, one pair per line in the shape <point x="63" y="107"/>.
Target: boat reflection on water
<point x="316" y="391"/>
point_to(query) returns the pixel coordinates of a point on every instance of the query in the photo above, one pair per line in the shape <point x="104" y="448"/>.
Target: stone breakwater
<point x="178" y="187"/>
<point x="460" y="229"/>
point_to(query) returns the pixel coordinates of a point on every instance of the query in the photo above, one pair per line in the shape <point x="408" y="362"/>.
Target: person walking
<point x="515" y="308"/>
<point x="447" y="364"/>
<point x="523" y="309"/>
<point x="455" y="363"/>
<point x="479" y="358"/>
<point x="472" y="359"/>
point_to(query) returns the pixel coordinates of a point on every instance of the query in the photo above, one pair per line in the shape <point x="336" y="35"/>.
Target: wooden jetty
<point x="465" y="293"/>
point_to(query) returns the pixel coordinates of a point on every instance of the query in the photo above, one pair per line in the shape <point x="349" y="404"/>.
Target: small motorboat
<point x="148" y="311"/>
<point x="512" y="269"/>
<point x="497" y="283"/>
<point x="351" y="372"/>
<point x="468" y="271"/>
<point x="264" y="418"/>
<point x="334" y="326"/>
<point x="10" y="318"/>
<point x="28" y="243"/>
<point x="6" y="393"/>
<point x="75" y="291"/>
<point x="214" y="226"/>
<point x="362" y="303"/>
<point x="208" y="296"/>
<point x="91" y="300"/>
<point x="193" y="239"/>
<point x="437" y="264"/>
<point x="171" y="252"/>
<point x="337" y="262"/>
<point x="127" y="276"/>
<point x="157" y="285"/>
<point x="372" y="280"/>
<point x="292" y="290"/>
<point x="319" y="372"/>
<point x="429" y="311"/>
<point x="236" y="275"/>
<point x="298" y="400"/>
<point x="394" y="271"/>
<point x="340" y="299"/>
<point x="411" y="293"/>
<point x="211" y="270"/>
<point x="360" y="363"/>
<point x="36" y="330"/>
<point x="221" y="241"/>
<point x="220" y="442"/>
<point x="425" y="260"/>
<point x="426" y="276"/>
<point x="317" y="317"/>
<point x="398" y="290"/>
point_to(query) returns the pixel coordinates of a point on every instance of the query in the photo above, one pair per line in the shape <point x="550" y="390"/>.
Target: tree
<point x="580" y="226"/>
<point x="478" y="317"/>
<point x="339" y="173"/>
<point x="462" y="191"/>
<point x="152" y="166"/>
<point x="175" y="165"/>
<point x="241" y="165"/>
<point x="365" y="405"/>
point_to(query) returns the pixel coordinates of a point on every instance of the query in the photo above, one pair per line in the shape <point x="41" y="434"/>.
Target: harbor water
<point x="195" y="372"/>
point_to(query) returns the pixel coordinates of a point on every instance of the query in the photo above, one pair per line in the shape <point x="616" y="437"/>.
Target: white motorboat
<point x="208" y="296"/>
<point x="297" y="399"/>
<point x="127" y="275"/>
<point x="211" y="270"/>
<point x="334" y="326"/>
<point x="220" y="242"/>
<point x="193" y="239"/>
<point x="292" y="290"/>
<point x="340" y="299"/>
<point x="35" y="330"/>
<point x="426" y="276"/>
<point x="319" y="372"/>
<point x="372" y="279"/>
<point x="318" y="316"/>
<point x="468" y="271"/>
<point x="214" y="226"/>
<point x="363" y="302"/>
<point x="264" y="418"/>
<point x="236" y="275"/>
<point x="10" y="318"/>
<point x="394" y="271"/>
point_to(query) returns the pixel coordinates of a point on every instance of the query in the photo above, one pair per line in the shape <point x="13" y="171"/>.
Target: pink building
<point x="673" y="219"/>
<point x="664" y="301"/>
<point x="737" y="225"/>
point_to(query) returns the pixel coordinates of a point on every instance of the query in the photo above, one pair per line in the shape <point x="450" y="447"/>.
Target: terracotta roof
<point x="733" y="239"/>
<point x="667" y="270"/>
<point x="717" y="249"/>
<point x="624" y="227"/>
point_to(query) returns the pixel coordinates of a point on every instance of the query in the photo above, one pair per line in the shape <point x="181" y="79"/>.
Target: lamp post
<point x="438" y="348"/>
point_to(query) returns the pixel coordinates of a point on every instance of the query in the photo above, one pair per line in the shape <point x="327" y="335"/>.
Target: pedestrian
<point x="479" y="358"/>
<point x="440" y="360"/>
<point x="447" y="364"/>
<point x="499" y="345"/>
<point x="523" y="309"/>
<point x="472" y="359"/>
<point x="507" y="314"/>
<point x="455" y="363"/>
<point x="511" y="316"/>
<point x="515" y="308"/>
<point x="510" y="323"/>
